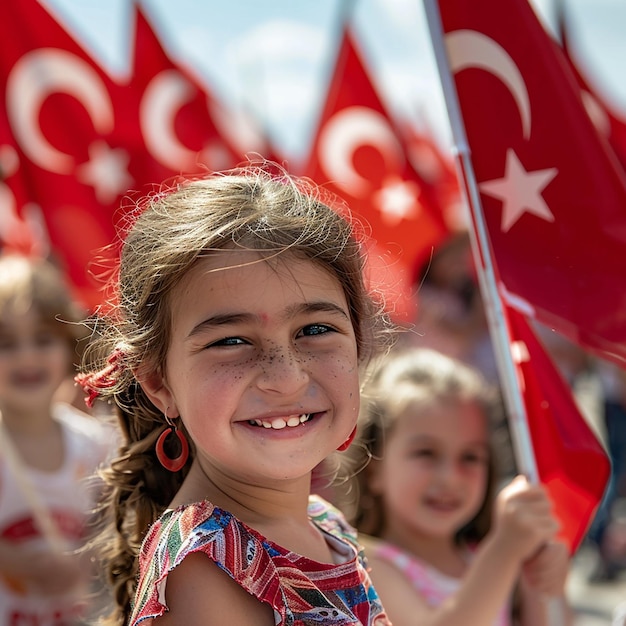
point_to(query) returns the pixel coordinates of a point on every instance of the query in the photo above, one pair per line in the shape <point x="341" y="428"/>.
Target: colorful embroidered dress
<point x="429" y="582"/>
<point x="301" y="591"/>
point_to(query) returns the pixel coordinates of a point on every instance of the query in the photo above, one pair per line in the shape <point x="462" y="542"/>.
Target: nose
<point x="282" y="371"/>
<point x="447" y="471"/>
<point x="26" y="352"/>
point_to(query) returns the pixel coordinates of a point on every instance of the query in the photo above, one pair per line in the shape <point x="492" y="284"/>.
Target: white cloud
<point x="278" y="68"/>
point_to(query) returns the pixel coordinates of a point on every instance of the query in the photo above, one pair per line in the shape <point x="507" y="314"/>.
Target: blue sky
<point x="275" y="55"/>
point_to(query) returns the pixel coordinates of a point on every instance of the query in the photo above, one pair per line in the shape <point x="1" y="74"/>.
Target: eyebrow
<point x="223" y="319"/>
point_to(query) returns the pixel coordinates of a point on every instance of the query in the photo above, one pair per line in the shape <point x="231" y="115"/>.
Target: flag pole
<point x="483" y="258"/>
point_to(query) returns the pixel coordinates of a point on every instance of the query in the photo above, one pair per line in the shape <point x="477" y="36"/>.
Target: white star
<point x="520" y="191"/>
<point x="397" y="199"/>
<point x="106" y="171"/>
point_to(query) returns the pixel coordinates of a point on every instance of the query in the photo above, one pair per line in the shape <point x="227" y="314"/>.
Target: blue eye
<point x="316" y="329"/>
<point x="228" y="341"/>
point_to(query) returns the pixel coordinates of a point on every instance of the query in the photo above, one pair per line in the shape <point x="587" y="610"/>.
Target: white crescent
<point x="469" y="48"/>
<point x="166" y="93"/>
<point x="348" y="130"/>
<point x="35" y="76"/>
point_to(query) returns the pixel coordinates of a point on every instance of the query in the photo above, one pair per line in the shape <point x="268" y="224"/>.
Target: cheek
<point x="477" y="477"/>
<point x="61" y="358"/>
<point x="399" y="475"/>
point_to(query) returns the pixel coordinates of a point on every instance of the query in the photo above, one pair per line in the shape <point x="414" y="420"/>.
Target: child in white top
<point x="49" y="450"/>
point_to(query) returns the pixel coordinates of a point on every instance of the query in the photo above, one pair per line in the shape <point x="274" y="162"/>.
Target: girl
<point x="444" y="555"/>
<point x="48" y="449"/>
<point x="234" y="364"/>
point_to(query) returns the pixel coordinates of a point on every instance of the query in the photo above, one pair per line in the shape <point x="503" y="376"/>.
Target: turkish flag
<point x="607" y="121"/>
<point x="552" y="193"/>
<point x="554" y="204"/>
<point x="62" y="170"/>
<point x="570" y="461"/>
<point x="75" y="140"/>
<point x="360" y="155"/>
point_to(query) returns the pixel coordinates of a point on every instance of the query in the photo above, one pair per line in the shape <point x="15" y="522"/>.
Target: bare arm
<point x="199" y="593"/>
<point x="523" y="522"/>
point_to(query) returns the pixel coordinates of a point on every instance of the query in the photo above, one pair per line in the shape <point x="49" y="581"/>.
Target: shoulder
<point x="90" y="443"/>
<point x="227" y="603"/>
<point x="386" y="559"/>
<point x="83" y="426"/>
<point x="213" y="537"/>
<point x="331" y="519"/>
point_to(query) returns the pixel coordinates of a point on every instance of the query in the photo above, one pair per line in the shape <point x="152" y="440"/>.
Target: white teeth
<point x="278" y="423"/>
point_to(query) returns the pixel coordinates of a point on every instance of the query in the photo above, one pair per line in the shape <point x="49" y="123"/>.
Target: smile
<point x="278" y="423"/>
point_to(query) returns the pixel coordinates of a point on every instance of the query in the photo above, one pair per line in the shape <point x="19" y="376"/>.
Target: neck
<point x="256" y="504"/>
<point x="278" y="511"/>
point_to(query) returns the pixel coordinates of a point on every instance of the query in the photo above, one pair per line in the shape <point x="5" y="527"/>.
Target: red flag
<point x="75" y="140"/>
<point x="571" y="463"/>
<point x="604" y="117"/>
<point x="359" y="154"/>
<point x="553" y="196"/>
<point x="184" y="128"/>
<point x="60" y="159"/>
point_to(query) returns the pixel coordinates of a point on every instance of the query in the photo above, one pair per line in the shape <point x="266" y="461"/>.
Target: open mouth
<point x="278" y="423"/>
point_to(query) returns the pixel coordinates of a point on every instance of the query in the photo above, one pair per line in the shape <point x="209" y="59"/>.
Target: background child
<point x="47" y="451"/>
<point x="234" y="363"/>
<point x="446" y="553"/>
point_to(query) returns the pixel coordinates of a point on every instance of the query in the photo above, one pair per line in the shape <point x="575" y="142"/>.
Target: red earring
<point x="346" y="444"/>
<point x="177" y="463"/>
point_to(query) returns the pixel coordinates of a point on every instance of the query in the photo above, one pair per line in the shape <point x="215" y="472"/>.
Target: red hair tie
<point x="106" y="378"/>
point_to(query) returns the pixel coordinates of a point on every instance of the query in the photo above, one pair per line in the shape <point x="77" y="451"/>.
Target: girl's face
<point x="433" y="474"/>
<point x="262" y="365"/>
<point x="34" y="361"/>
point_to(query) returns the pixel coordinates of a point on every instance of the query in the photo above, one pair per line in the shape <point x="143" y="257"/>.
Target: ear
<point x="158" y="392"/>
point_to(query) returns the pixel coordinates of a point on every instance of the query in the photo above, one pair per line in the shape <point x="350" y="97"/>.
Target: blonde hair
<point x="36" y="284"/>
<point x="418" y="378"/>
<point x="256" y="207"/>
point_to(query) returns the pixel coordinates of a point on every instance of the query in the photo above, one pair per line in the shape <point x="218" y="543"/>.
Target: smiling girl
<point x="444" y="550"/>
<point x="234" y="362"/>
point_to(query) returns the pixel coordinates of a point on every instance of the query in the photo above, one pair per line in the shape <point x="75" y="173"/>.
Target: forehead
<point x="12" y="319"/>
<point x="244" y="280"/>
<point x="450" y="420"/>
